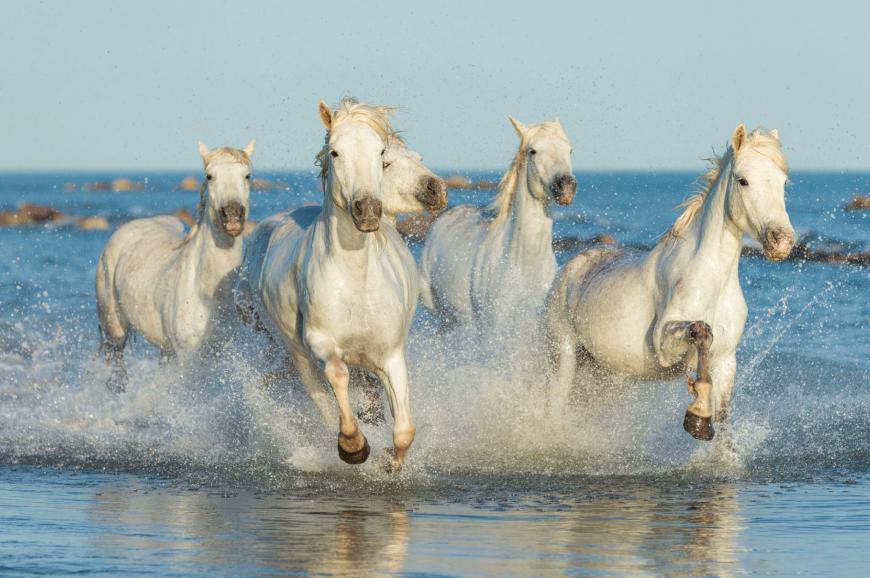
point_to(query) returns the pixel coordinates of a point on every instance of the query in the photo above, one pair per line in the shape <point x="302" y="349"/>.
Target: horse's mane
<point x="349" y="109"/>
<point x="507" y="186"/>
<point x="216" y="156"/>
<point x="760" y="141"/>
<point x="501" y="204"/>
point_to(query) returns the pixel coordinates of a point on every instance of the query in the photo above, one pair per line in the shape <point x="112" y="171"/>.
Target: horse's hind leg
<point x="372" y="412"/>
<point x="113" y="354"/>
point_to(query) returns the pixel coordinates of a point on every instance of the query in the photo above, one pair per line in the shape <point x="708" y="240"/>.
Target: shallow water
<point x="205" y="470"/>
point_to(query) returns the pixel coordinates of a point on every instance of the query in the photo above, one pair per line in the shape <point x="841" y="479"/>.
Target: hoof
<point x="355" y="458"/>
<point x="388" y="462"/>
<point x="700" y="428"/>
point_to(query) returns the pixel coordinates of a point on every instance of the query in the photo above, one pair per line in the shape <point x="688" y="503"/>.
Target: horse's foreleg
<point x="698" y="420"/>
<point x="310" y="375"/>
<point x="372" y="412"/>
<point x="353" y="447"/>
<point x="395" y="377"/>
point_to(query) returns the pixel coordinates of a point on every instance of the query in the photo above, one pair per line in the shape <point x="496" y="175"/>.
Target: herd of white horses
<point x="338" y="287"/>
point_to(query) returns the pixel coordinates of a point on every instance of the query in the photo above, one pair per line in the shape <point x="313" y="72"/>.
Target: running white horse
<point x="680" y="305"/>
<point x="338" y="284"/>
<point x="487" y="261"/>
<point x="408" y="186"/>
<point x="169" y="287"/>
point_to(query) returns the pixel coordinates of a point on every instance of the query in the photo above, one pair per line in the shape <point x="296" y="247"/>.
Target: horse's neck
<point x="528" y="227"/>
<point x="704" y="260"/>
<point x="210" y="255"/>
<point x="343" y="242"/>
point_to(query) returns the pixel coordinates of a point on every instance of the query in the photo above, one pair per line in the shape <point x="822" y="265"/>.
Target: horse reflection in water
<point x="249" y="530"/>
<point x="641" y="529"/>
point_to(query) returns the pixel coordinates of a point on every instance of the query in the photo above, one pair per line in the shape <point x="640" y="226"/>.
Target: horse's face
<point x="408" y="185"/>
<point x="228" y="176"/>
<point x="547" y="153"/>
<point x="356" y="163"/>
<point x="757" y="196"/>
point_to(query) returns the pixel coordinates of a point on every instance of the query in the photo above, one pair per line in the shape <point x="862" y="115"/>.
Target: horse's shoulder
<point x="159" y="225"/>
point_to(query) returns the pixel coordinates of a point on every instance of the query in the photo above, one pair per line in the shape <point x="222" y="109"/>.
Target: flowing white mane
<point x="760" y="141"/>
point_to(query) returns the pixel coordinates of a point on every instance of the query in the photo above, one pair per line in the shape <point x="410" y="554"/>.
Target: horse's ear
<point x="738" y="138"/>
<point x="325" y="114"/>
<point x="558" y="121"/>
<point x="249" y="150"/>
<point x="518" y="126"/>
<point x="203" y="151"/>
<point x="775" y="134"/>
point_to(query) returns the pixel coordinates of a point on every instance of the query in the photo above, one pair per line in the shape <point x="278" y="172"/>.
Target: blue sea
<point x="217" y="470"/>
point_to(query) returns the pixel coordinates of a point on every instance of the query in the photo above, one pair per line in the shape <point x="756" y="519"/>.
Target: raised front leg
<point x="395" y="377"/>
<point x="698" y="420"/>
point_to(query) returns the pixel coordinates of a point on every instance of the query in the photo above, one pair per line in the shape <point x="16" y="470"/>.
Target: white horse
<point x="680" y="305"/>
<point x="476" y="260"/>
<point x="408" y="186"/>
<point x="169" y="287"/>
<point x="338" y="284"/>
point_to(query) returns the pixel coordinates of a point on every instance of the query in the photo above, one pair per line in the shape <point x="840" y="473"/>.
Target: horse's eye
<point x="533" y="152"/>
<point x="248" y="176"/>
<point x="208" y="177"/>
<point x="743" y="182"/>
<point x="334" y="154"/>
<point x="383" y="152"/>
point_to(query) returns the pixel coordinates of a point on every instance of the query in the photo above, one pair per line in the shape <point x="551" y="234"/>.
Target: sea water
<point x="211" y="469"/>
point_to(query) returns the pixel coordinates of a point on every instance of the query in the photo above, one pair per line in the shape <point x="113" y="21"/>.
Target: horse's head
<point x="409" y="186"/>
<point x="756" y="200"/>
<point x="547" y="151"/>
<point x="357" y="137"/>
<point x="228" y="176"/>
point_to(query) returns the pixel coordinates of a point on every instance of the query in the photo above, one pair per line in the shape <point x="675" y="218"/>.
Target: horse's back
<point x="448" y="259"/>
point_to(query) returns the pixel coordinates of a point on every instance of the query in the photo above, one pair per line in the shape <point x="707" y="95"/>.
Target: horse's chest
<point x="357" y="313"/>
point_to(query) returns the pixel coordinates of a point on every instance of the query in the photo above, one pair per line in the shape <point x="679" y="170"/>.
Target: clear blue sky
<point x="133" y="85"/>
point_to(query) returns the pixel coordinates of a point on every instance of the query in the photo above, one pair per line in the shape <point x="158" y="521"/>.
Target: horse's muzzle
<point x="563" y="188"/>
<point x="432" y="193"/>
<point x="366" y="214"/>
<point x="778" y="243"/>
<point x="233" y="218"/>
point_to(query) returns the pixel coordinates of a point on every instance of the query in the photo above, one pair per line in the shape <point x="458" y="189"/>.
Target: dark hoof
<point x="355" y="458"/>
<point x="700" y="428"/>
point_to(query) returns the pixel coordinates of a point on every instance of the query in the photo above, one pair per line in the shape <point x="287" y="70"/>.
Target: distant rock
<point x="859" y="203"/>
<point x="458" y="182"/>
<point x="29" y="214"/>
<point x="188" y="183"/>
<point x="119" y="185"/>
<point x="125" y="185"/>
<point x="70" y="187"/>
<point x="185" y="217"/>
<point x="93" y="224"/>
<point x="264" y="185"/>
